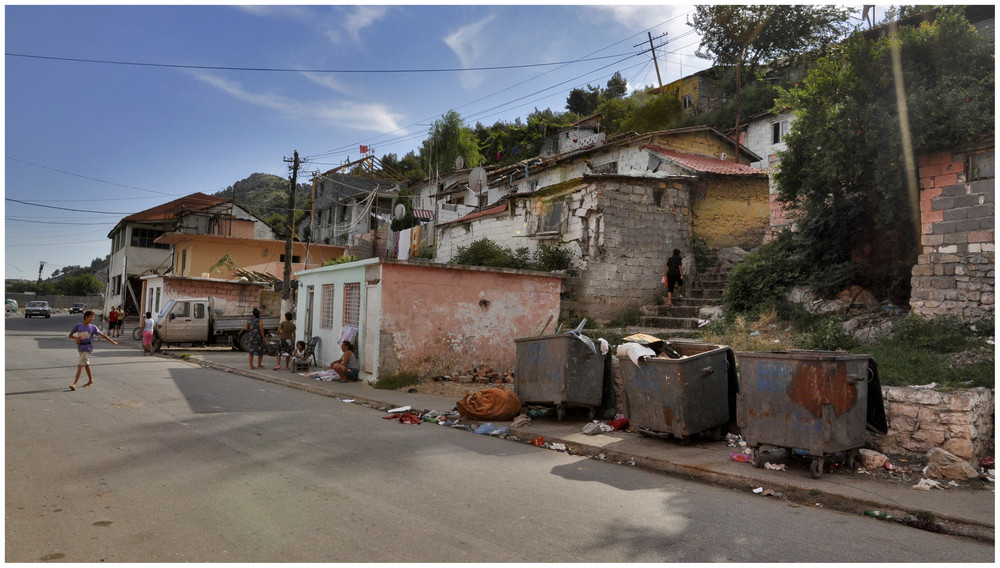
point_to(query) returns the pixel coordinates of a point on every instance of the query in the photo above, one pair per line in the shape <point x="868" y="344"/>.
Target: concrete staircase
<point x="682" y="317"/>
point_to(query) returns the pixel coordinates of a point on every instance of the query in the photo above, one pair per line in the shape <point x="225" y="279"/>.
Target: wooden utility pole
<point x="652" y="50"/>
<point x="39" y="283"/>
<point x="286" y="288"/>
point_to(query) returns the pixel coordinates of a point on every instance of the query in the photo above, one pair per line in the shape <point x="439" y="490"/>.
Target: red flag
<point x="364" y="149"/>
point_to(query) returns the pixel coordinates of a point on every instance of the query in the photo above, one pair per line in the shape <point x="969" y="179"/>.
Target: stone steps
<point x="706" y="290"/>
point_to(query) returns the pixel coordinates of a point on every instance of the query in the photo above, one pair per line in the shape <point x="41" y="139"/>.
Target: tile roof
<point x="176" y="208"/>
<point x="703" y="164"/>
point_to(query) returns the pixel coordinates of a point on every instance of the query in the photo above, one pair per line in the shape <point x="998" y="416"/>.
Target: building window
<point x="549" y="223"/>
<point x="145" y="237"/>
<point x="352" y="303"/>
<point x="981" y="166"/>
<point x="295" y="258"/>
<point x="686" y="102"/>
<point x="326" y="307"/>
<point x="778" y="131"/>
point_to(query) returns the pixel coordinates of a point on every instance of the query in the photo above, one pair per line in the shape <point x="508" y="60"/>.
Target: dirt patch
<point x="453" y="389"/>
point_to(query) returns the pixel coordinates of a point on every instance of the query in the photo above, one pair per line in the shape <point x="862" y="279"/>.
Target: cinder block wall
<point x="955" y="273"/>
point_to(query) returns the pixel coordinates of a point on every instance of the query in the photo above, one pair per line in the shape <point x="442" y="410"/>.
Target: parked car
<point x="11" y="306"/>
<point x="78" y="308"/>
<point x="37" y="308"/>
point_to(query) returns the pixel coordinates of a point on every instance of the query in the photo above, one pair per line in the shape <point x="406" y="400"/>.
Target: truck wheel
<point x="243" y="341"/>
<point x="157" y="344"/>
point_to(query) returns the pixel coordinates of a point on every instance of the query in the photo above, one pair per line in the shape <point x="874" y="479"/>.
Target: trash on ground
<point x="537" y="412"/>
<point x="738" y="457"/>
<point x="877" y="514"/>
<point x="557" y="447"/>
<point x="489" y="404"/>
<point x="400" y="409"/>
<point x="735" y="440"/>
<point x="619" y="423"/>
<point x="754" y="333"/>
<point x="775" y="466"/>
<point x="769" y="493"/>
<point x="759" y="490"/>
<point x="596" y="427"/>
<point x="404" y="418"/>
<point x="985" y="464"/>
<point x="889" y="466"/>
<point x="942" y="463"/>
<point x="539" y="441"/>
<point x="485" y="428"/>
<point x="521" y="421"/>
<point x="349" y="400"/>
<point x="928" y="484"/>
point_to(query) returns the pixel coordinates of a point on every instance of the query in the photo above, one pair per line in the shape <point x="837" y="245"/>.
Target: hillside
<point x="266" y="196"/>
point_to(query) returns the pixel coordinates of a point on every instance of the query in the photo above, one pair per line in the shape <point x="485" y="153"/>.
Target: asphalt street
<point x="165" y="460"/>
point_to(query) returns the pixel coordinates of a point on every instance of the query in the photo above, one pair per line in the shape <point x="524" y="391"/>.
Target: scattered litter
<point x="619" y="423"/>
<point x="759" y="490"/>
<point x="400" y="409"/>
<point x="537" y="412"/>
<point x="521" y="421"/>
<point x="539" y="441"/>
<point x="596" y="427"/>
<point x="702" y="323"/>
<point x="601" y="456"/>
<point x="349" y="400"/>
<point x="930" y="386"/>
<point x="487" y="428"/>
<point x="889" y="466"/>
<point x="738" y="457"/>
<point x="777" y="341"/>
<point x="604" y="346"/>
<point x="985" y="464"/>
<point x="557" y="447"/>
<point x="634" y="351"/>
<point x="953" y="483"/>
<point x="775" y="466"/>
<point x="735" y="440"/>
<point x="754" y="333"/>
<point x="877" y="514"/>
<point x="771" y="493"/>
<point x="927" y="485"/>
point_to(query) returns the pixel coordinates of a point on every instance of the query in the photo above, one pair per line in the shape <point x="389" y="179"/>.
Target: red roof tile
<point x="704" y="164"/>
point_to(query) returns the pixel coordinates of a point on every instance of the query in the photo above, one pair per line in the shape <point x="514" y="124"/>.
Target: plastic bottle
<point x="738" y="457"/>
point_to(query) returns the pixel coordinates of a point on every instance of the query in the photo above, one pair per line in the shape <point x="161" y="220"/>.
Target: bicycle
<point x="137" y="333"/>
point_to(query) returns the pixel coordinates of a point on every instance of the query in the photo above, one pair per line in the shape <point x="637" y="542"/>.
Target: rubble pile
<point x="482" y="374"/>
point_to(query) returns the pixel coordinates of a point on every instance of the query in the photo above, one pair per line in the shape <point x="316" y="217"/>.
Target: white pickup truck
<point x="196" y="321"/>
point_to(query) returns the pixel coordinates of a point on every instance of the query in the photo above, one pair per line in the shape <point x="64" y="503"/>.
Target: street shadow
<point x="39" y="391"/>
<point x="610" y="476"/>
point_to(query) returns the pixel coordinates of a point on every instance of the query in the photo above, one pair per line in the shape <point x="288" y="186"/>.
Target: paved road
<point x="163" y="460"/>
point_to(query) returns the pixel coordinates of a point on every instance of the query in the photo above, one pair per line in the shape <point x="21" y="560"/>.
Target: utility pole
<point x="286" y="289"/>
<point x="652" y="50"/>
<point x="38" y="285"/>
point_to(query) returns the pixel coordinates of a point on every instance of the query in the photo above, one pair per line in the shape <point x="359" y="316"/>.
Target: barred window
<point x="145" y="237"/>
<point x="326" y="307"/>
<point x="352" y="303"/>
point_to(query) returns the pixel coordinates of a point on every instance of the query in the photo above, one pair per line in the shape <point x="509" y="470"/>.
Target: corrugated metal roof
<point x="703" y="164"/>
<point x="176" y="208"/>
<point x="423" y="214"/>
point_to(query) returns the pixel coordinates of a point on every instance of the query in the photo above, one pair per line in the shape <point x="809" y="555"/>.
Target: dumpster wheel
<point x="816" y="468"/>
<point x="756" y="459"/>
<point x="851" y="460"/>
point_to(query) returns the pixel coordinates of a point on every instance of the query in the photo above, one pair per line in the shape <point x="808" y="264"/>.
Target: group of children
<point x="85" y="333"/>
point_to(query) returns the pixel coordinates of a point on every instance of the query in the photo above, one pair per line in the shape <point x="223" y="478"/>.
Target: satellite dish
<point x="400" y="211"/>
<point x="459" y="162"/>
<point x="477" y="179"/>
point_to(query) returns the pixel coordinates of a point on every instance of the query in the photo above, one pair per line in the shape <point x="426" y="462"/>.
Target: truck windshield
<point x="166" y="310"/>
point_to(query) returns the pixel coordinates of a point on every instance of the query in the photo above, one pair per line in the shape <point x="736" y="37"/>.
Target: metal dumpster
<point x="816" y="401"/>
<point x="562" y="370"/>
<point x="681" y="397"/>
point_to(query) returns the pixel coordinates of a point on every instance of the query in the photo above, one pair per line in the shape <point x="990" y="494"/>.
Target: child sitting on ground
<point x="300" y="357"/>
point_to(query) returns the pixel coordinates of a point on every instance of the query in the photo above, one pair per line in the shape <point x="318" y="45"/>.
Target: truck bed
<point x="232" y="323"/>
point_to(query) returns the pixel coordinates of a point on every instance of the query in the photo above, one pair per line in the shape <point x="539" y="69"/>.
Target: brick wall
<point x="232" y="297"/>
<point x="954" y="275"/>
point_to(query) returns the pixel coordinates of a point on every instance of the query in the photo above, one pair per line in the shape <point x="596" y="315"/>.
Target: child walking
<point x="83" y="334"/>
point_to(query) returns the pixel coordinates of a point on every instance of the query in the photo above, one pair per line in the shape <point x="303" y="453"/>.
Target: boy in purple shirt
<point x="83" y="334"/>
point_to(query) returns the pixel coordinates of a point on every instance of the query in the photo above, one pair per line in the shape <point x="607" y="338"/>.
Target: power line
<point x="288" y="70"/>
<point x="90" y="178"/>
<point x="65" y="208"/>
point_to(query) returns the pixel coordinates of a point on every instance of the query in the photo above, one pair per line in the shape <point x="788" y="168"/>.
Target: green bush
<point x="486" y="252"/>
<point x="763" y="278"/>
<point x="828" y="335"/>
<point x="341" y="260"/>
<point x="628" y="317"/>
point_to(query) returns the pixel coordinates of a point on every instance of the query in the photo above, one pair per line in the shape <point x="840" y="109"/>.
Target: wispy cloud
<point x="468" y="45"/>
<point x="326" y="80"/>
<point x="345" y="114"/>
<point x="642" y="16"/>
<point x="354" y="21"/>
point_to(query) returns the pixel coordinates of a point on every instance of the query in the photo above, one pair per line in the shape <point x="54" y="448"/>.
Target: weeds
<point x="393" y="381"/>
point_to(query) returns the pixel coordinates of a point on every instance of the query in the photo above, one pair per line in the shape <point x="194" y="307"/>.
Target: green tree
<point x="651" y="112"/>
<point x="617" y="87"/>
<point x="80" y="285"/>
<point x="759" y="34"/>
<point x="845" y="173"/>
<point x="448" y="139"/>
<point x="583" y="102"/>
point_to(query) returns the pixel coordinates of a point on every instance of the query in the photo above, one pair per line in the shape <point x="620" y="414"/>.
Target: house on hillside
<point x="417" y="317"/>
<point x="350" y="211"/>
<point x="765" y="136"/>
<point x="621" y="208"/>
<point x="136" y="252"/>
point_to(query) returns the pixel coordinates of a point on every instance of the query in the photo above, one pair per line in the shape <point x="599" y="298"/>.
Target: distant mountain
<point x="266" y="196"/>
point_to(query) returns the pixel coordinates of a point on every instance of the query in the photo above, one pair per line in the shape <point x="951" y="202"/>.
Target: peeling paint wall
<point x="438" y="319"/>
<point x="728" y="211"/>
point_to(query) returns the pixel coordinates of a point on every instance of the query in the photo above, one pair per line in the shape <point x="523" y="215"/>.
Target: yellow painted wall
<point x="703" y="143"/>
<point x="730" y="211"/>
<point x="202" y="254"/>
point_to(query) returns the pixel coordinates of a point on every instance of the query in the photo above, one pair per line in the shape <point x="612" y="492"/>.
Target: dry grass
<point x="767" y="333"/>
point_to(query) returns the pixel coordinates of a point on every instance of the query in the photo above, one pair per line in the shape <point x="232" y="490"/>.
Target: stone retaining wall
<point x="960" y="422"/>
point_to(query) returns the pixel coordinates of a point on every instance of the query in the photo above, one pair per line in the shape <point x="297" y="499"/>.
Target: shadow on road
<point x="63" y="389"/>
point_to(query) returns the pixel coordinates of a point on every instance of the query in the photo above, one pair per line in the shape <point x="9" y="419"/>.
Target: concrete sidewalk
<point x="967" y="510"/>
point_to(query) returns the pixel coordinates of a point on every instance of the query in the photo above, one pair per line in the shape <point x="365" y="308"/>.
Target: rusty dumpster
<point x="814" y="401"/>
<point x="564" y="370"/>
<point x="679" y="396"/>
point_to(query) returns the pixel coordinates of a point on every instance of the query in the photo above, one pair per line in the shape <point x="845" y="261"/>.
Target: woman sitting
<point x="346" y="366"/>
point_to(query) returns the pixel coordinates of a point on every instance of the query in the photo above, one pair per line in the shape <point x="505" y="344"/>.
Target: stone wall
<point x="954" y="275"/>
<point x="728" y="211"/>
<point x="960" y="422"/>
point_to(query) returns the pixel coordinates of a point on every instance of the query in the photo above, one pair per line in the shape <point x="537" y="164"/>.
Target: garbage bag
<point x="489" y="404"/>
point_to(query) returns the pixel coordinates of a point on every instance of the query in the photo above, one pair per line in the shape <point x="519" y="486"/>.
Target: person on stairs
<point x="674" y="276"/>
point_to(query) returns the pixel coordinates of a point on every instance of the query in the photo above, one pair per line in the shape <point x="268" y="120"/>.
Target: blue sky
<point x="87" y="143"/>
